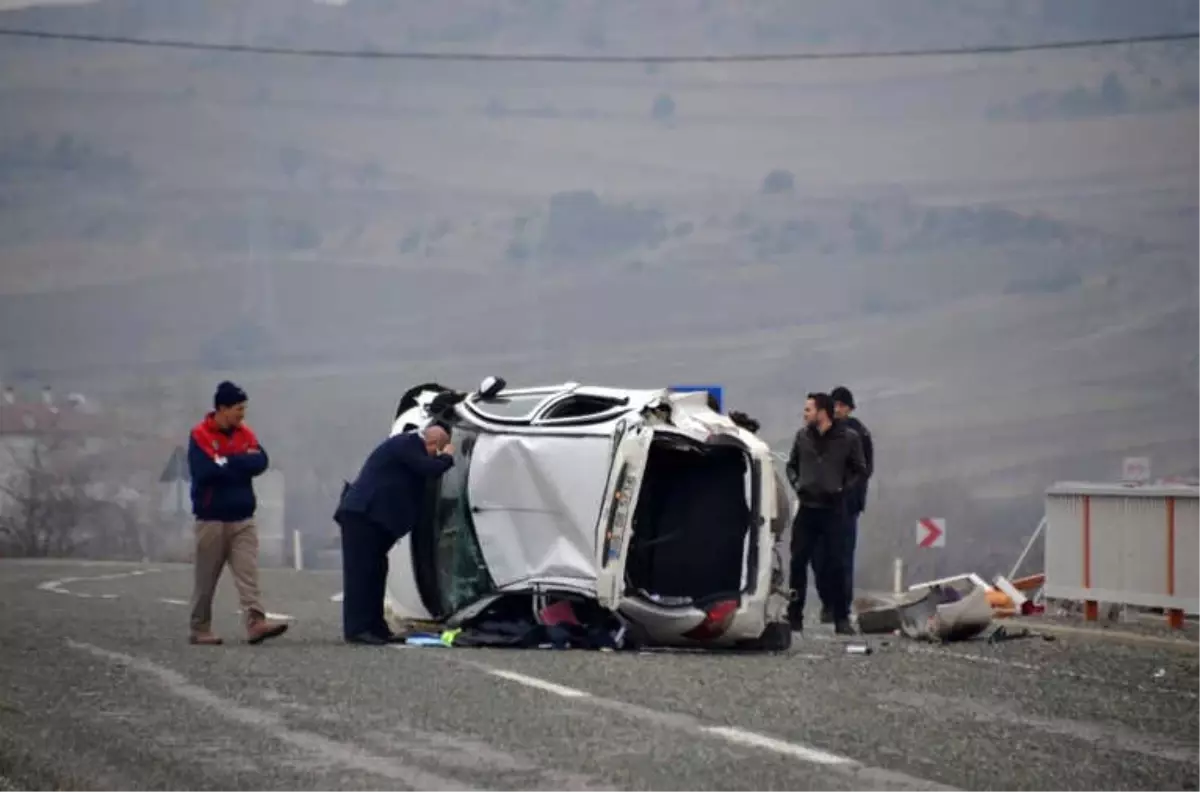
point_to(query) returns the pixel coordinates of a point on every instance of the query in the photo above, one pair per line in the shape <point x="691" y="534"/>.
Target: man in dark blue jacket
<point x="224" y="457"/>
<point x="856" y="501"/>
<point x="381" y="507"/>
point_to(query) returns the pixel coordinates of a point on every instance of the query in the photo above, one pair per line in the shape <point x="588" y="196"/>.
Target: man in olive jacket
<point x="825" y="467"/>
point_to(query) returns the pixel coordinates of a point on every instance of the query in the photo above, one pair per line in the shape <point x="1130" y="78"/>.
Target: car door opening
<point x="691" y="522"/>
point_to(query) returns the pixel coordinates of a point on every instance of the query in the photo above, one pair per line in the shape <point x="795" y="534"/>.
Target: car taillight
<point x="717" y="619"/>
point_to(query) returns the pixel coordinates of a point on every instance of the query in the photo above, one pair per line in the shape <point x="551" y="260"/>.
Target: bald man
<point x="381" y="507"/>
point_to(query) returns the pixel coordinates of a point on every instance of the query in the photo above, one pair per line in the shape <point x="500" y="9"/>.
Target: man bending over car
<point x="381" y="507"/>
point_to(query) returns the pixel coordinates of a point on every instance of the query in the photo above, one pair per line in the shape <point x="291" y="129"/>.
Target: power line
<point x="412" y="55"/>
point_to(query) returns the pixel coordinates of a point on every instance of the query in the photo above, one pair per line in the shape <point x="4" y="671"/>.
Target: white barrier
<point x="1124" y="544"/>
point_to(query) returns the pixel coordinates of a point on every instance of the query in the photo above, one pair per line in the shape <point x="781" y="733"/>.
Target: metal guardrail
<point x="1128" y="545"/>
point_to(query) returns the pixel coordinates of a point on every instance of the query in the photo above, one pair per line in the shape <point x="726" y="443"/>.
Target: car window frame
<point x="432" y="584"/>
<point x="620" y="407"/>
<point x="479" y="407"/>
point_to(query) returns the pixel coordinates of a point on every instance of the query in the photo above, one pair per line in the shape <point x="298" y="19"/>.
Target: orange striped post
<point x="1174" y="615"/>
<point x="1091" y="608"/>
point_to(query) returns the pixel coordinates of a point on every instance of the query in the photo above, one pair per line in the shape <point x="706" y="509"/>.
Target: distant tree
<point x="593" y="35"/>
<point x="517" y="250"/>
<point x="779" y="181"/>
<point x="1113" y="94"/>
<point x="663" y="108"/>
<point x="370" y="174"/>
<point x="580" y="225"/>
<point x="294" y="234"/>
<point x="495" y="108"/>
<point x="291" y="160"/>
<point x="246" y="341"/>
<point x="44" y="498"/>
<point x="410" y="242"/>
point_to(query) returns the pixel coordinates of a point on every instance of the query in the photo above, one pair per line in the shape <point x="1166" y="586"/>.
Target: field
<point x="998" y="254"/>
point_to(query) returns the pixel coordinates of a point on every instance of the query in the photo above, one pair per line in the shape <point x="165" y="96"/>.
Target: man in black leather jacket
<point x="826" y="465"/>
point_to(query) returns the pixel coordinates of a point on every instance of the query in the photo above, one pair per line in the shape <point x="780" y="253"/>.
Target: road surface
<point x="101" y="690"/>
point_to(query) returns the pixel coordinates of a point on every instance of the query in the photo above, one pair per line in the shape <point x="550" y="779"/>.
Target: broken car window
<point x="510" y="407"/>
<point x="462" y="576"/>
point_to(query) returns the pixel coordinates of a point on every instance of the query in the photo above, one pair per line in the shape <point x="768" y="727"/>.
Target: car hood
<point x="535" y="501"/>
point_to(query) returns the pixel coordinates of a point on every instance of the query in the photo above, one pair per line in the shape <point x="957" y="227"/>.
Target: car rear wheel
<point x="777" y="637"/>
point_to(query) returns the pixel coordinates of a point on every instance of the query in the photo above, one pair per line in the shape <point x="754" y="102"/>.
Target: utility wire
<point x="411" y="55"/>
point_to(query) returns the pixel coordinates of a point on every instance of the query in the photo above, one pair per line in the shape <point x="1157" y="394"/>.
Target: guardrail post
<point x="297" y="551"/>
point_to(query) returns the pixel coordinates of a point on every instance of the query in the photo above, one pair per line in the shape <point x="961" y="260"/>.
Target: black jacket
<point x="856" y="501"/>
<point x="824" y="469"/>
<point x="390" y="488"/>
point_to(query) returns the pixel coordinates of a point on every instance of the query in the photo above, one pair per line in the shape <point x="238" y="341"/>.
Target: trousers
<point x="818" y="536"/>
<point x="218" y="544"/>
<point x="849" y="545"/>
<point x="365" y="547"/>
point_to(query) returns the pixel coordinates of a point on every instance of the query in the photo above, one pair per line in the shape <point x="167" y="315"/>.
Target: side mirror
<point x="490" y="387"/>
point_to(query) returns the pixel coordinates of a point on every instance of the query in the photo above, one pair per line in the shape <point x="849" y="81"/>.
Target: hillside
<point x="998" y="254"/>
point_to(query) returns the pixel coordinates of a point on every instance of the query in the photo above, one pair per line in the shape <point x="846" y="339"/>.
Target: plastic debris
<point x="858" y="649"/>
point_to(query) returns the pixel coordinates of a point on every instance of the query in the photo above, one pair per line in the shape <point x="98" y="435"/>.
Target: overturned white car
<point x="645" y="506"/>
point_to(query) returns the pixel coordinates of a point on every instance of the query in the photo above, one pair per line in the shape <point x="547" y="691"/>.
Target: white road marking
<point x="540" y="684"/>
<point x="56" y="586"/>
<point x="864" y="776"/>
<point x="756" y="740"/>
<point x="337" y="753"/>
<point x="170" y="601"/>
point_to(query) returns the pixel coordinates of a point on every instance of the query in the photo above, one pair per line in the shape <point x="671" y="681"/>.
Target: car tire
<point x="777" y="637"/>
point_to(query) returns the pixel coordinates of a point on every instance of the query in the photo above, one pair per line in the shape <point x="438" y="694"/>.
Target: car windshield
<point x="462" y="576"/>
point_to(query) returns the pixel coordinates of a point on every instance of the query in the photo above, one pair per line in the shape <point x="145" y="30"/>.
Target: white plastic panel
<point x="1135" y="546"/>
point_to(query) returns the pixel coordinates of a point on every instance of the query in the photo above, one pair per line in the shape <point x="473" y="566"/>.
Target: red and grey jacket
<point x="223" y="464"/>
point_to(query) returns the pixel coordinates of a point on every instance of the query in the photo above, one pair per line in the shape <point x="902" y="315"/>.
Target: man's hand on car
<point x="447" y="449"/>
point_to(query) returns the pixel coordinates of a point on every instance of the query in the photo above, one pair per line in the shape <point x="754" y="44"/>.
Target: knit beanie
<point x="228" y="395"/>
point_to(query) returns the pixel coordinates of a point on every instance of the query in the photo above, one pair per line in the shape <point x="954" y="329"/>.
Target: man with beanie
<point x="856" y="501"/>
<point x="825" y="465"/>
<point x="380" y="508"/>
<point x="224" y="457"/>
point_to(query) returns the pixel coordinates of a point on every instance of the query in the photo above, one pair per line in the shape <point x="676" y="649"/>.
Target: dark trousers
<point x="818" y="538"/>
<point x="365" y="546"/>
<point x="849" y="545"/>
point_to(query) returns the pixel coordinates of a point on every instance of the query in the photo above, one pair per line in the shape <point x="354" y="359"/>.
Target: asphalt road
<point x="99" y="690"/>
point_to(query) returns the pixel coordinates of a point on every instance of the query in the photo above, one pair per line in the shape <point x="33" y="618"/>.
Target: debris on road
<point x="939" y="611"/>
